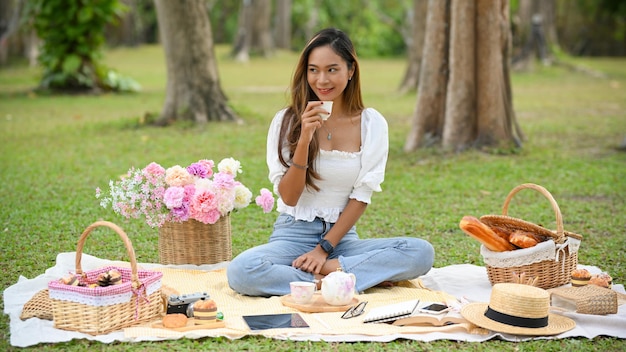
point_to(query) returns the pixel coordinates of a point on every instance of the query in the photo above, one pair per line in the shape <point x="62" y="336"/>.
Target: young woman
<point x="324" y="172"/>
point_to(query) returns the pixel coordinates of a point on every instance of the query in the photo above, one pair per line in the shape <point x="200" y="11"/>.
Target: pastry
<point x="523" y="239"/>
<point x="72" y="280"/>
<point x="175" y="320"/>
<point x="607" y="277"/>
<point x="111" y="277"/>
<point x="602" y="280"/>
<point x="580" y="277"/>
<point x="204" y="311"/>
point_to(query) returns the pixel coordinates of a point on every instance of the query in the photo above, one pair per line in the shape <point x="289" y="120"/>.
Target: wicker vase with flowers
<point x="190" y="206"/>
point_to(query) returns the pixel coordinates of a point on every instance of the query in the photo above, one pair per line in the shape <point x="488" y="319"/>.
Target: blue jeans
<point x="266" y="270"/>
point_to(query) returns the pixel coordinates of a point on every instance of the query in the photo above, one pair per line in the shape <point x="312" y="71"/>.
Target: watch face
<point x="326" y="246"/>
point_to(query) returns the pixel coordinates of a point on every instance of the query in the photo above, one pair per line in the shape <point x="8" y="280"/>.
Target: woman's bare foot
<point x="330" y="266"/>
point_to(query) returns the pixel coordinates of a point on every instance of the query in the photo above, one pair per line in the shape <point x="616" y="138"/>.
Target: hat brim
<point x="475" y="314"/>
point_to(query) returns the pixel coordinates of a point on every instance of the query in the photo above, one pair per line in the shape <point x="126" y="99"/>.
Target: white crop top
<point x="345" y="175"/>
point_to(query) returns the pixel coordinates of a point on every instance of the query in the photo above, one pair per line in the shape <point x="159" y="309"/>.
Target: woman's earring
<point x="350" y="78"/>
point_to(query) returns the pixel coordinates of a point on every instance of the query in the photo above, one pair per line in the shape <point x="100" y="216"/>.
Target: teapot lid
<point x="338" y="273"/>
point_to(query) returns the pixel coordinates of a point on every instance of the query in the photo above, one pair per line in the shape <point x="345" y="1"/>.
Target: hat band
<point x="516" y="321"/>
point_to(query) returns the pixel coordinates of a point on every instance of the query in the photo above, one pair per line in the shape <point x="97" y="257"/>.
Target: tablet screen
<point x="275" y="321"/>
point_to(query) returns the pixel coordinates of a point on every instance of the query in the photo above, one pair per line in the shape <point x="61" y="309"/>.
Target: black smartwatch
<point x="327" y="246"/>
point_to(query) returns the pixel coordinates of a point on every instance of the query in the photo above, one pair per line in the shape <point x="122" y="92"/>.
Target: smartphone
<point x="435" y="308"/>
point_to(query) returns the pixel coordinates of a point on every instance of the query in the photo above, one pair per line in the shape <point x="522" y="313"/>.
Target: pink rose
<point x="173" y="197"/>
<point x="265" y="200"/>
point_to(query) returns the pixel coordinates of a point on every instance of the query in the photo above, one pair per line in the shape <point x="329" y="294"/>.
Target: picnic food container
<point x="100" y="310"/>
<point x="551" y="262"/>
<point x="193" y="242"/>
<point x="589" y="299"/>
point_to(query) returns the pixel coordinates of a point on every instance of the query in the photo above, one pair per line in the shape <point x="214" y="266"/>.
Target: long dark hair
<point x="301" y="93"/>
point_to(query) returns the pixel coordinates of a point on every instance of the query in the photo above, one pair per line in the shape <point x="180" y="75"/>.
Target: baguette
<point x="484" y="234"/>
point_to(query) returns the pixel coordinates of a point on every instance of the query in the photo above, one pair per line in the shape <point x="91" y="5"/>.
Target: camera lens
<point x="190" y="311"/>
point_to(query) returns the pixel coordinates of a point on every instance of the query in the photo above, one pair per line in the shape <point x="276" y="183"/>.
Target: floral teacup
<point x="302" y="292"/>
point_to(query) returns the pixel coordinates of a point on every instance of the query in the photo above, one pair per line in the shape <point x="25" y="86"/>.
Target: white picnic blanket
<point x="463" y="280"/>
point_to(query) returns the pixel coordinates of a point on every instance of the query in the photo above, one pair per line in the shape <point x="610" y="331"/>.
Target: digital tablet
<point x="275" y="321"/>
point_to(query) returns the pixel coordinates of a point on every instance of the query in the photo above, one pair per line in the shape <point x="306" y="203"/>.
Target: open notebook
<point x="391" y="312"/>
<point x="409" y="313"/>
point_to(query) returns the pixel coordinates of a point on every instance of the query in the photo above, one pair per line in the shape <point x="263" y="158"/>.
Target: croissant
<point x="524" y="239"/>
<point x="484" y="234"/>
<point x="504" y="233"/>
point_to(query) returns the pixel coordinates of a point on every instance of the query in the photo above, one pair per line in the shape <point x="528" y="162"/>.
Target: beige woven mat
<point x="234" y="306"/>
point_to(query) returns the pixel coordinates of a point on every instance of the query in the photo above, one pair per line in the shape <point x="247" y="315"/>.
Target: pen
<point x="321" y="321"/>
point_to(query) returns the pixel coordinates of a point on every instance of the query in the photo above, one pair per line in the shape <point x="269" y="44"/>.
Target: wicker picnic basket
<point x="100" y="310"/>
<point x="588" y="299"/>
<point x="551" y="262"/>
<point x="193" y="242"/>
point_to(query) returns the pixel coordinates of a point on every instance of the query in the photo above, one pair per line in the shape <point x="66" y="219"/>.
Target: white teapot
<point x="338" y="288"/>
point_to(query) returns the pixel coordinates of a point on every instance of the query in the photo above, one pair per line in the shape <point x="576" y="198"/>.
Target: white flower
<point x="230" y="166"/>
<point x="203" y="183"/>
<point x="243" y="196"/>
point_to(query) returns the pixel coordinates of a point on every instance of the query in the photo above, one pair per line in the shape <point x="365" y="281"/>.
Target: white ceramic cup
<point x="328" y="106"/>
<point x="301" y="291"/>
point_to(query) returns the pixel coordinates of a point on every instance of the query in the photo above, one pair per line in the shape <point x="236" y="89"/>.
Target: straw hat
<point x="517" y="309"/>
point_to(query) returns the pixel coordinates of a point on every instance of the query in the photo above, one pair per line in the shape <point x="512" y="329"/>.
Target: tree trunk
<point x="283" y="24"/>
<point x="254" y="32"/>
<point x="429" y="113"/>
<point x="262" y="33"/>
<point x="241" y="47"/>
<point x="464" y="95"/>
<point x="415" y="46"/>
<point x="193" y="91"/>
<point x="494" y="102"/>
<point x="460" y="119"/>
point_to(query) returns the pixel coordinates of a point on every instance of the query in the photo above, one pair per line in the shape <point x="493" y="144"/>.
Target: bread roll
<point x="175" y="320"/>
<point x="523" y="239"/>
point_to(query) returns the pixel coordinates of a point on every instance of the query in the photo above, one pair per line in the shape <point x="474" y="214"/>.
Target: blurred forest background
<point x="459" y="54"/>
<point x="378" y="27"/>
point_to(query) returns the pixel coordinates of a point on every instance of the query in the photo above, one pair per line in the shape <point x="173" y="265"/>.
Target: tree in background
<point x="282" y="31"/>
<point x="535" y="35"/>
<point x="193" y="91"/>
<point x="415" y="46"/>
<point x="592" y="27"/>
<point x="72" y="33"/>
<point x="465" y="97"/>
<point x="254" y="34"/>
<point x="137" y="26"/>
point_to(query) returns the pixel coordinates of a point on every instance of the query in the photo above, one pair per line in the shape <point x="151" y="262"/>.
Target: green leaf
<point x="85" y="14"/>
<point x="71" y="64"/>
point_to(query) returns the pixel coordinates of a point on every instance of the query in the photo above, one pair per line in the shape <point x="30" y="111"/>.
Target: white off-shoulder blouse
<point x="345" y="175"/>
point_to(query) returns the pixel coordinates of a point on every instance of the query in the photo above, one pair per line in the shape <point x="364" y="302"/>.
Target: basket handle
<point x="557" y="212"/>
<point x="127" y="243"/>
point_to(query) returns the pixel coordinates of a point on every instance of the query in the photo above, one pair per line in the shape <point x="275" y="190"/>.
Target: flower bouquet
<point x="178" y="194"/>
<point x="190" y="205"/>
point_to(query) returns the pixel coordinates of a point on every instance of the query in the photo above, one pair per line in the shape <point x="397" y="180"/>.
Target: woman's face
<point x="327" y="73"/>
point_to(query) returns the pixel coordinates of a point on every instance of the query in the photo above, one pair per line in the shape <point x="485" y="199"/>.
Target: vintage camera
<point x="183" y="304"/>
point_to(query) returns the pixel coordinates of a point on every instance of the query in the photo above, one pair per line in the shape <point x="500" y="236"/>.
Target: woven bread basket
<point x="550" y="273"/>
<point x="588" y="299"/>
<point x="39" y="306"/>
<point x="100" y="310"/>
<point x="193" y="242"/>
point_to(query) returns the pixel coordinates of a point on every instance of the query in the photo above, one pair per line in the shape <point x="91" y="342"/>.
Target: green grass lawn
<point x="55" y="150"/>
